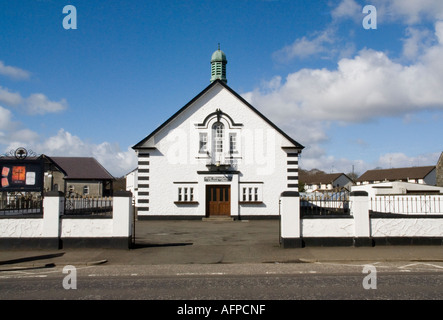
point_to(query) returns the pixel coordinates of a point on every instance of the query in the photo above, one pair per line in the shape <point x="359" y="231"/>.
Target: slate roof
<point x="396" y="174"/>
<point x="81" y="168"/>
<point x="318" y="178"/>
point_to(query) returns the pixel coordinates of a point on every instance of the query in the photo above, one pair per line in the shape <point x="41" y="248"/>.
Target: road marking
<point x="200" y="273"/>
<point x="421" y="263"/>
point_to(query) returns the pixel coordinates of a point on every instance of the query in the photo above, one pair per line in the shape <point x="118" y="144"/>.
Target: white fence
<point x="54" y="229"/>
<point x="383" y="220"/>
<point x="407" y="204"/>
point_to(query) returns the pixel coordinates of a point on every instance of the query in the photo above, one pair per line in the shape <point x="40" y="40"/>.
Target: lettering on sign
<point x="218" y="179"/>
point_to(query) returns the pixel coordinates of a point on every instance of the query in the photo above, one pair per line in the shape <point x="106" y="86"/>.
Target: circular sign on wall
<point x="21" y="153"/>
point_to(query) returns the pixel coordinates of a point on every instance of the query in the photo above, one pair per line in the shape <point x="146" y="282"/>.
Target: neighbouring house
<point x="440" y="171"/>
<point x="78" y="176"/>
<point x="397" y="188"/>
<point x="420" y="175"/>
<point x="320" y="182"/>
<point x="217" y="156"/>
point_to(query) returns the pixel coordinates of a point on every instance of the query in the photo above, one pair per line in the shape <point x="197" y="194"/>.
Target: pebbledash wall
<point x="55" y="230"/>
<point x="360" y="228"/>
<point x="169" y="160"/>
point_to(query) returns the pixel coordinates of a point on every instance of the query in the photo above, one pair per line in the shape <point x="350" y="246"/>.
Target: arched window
<point x="217" y="141"/>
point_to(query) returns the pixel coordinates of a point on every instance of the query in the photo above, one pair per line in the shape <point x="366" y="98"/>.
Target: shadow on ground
<point x="32" y="258"/>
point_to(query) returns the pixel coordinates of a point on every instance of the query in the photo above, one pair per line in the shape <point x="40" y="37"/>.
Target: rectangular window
<point x="203" y="147"/>
<point x="86" y="190"/>
<point x="185" y="193"/>
<point x="232" y="142"/>
<point x="251" y="192"/>
<point x="218" y="138"/>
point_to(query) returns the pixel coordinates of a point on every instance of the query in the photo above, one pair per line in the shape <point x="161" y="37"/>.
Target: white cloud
<point x="14" y="72"/>
<point x="10" y="98"/>
<point x="35" y="104"/>
<point x="116" y="161"/>
<point x="416" y="42"/>
<point x="401" y="160"/>
<point x="347" y="9"/>
<point x="304" y="47"/>
<point x="409" y="11"/>
<point x="38" y="103"/>
<point x="439" y="31"/>
<point x="368" y="86"/>
<point x="317" y="158"/>
<point x="5" y="118"/>
<point x="22" y="137"/>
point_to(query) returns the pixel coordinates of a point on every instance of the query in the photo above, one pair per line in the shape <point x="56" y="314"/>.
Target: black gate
<point x="324" y="204"/>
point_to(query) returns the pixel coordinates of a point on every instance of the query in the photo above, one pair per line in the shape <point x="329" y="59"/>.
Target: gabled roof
<point x="319" y="177"/>
<point x="396" y="174"/>
<point x="81" y="168"/>
<point x="295" y="143"/>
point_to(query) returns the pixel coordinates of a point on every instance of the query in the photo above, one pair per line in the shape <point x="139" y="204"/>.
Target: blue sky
<point x="353" y="97"/>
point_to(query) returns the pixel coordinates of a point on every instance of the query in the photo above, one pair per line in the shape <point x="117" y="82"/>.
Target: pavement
<point x="183" y="242"/>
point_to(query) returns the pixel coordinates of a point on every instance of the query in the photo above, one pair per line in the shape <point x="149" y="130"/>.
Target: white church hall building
<point x="217" y="156"/>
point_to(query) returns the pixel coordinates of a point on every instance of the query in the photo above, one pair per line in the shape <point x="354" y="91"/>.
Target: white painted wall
<point x="86" y="228"/>
<point x="327" y="228"/>
<point x="131" y="183"/>
<point x="411" y="227"/>
<point x="21" y="228"/>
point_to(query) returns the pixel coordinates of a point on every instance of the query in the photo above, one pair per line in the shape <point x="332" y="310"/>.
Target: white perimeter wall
<point x="410" y="227"/>
<point x="21" y="228"/>
<point x="329" y="227"/>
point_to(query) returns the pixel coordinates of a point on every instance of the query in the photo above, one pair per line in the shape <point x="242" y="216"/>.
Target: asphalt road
<point x="301" y="281"/>
<point x="420" y="286"/>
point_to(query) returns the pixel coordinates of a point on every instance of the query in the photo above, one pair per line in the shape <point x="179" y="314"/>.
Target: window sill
<point x="186" y="202"/>
<point x="250" y="202"/>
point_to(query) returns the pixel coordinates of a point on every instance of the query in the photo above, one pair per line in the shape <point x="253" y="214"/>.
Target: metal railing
<point x="17" y="205"/>
<point x="84" y="205"/>
<point x="407" y="204"/>
<point x="327" y="203"/>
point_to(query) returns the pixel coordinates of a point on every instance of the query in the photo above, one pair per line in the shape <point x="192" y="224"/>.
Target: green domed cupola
<point x="218" y="66"/>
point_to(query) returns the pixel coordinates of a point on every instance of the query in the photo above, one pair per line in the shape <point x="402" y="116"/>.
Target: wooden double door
<point x="218" y="200"/>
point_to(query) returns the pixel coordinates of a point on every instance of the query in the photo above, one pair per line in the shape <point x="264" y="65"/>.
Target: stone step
<point x="222" y="218"/>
